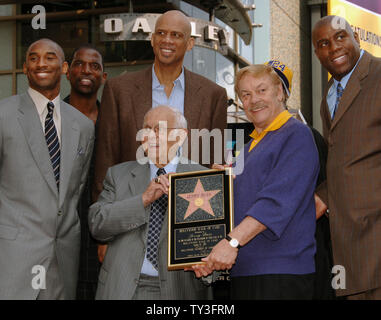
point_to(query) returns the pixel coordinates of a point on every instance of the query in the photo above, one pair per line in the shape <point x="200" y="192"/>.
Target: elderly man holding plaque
<point x="271" y="249"/>
<point x="131" y="216"/>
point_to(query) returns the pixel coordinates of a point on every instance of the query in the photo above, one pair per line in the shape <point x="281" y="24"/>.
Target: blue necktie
<point x="51" y="137"/>
<point x="158" y="209"/>
<point x="339" y="94"/>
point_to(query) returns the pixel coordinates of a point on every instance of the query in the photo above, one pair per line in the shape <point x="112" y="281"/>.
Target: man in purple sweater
<point x="271" y="250"/>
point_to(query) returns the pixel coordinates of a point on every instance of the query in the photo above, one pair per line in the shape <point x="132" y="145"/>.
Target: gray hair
<point x="181" y="122"/>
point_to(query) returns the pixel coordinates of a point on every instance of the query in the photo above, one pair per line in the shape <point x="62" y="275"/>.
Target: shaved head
<point x="336" y="45"/>
<point x="176" y="16"/>
<point x="335" y="22"/>
<point x="60" y="52"/>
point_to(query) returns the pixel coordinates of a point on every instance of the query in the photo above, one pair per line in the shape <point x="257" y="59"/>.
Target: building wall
<point x="290" y="43"/>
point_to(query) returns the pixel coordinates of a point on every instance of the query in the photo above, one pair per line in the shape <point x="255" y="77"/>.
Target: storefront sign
<point x="139" y="27"/>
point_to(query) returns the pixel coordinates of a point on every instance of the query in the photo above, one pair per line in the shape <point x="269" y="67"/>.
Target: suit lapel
<point x="192" y="100"/>
<point x="69" y="148"/>
<point x="142" y="96"/>
<point x="34" y="135"/>
<point x="138" y="184"/>
<point x="353" y="88"/>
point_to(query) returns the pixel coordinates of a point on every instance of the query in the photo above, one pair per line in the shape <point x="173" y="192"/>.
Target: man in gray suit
<point x="45" y="148"/>
<point x="125" y="216"/>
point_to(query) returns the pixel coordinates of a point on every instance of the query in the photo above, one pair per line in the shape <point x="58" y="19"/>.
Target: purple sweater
<point x="277" y="188"/>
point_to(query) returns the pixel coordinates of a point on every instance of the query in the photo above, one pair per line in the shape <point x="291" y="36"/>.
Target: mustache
<point x="257" y="106"/>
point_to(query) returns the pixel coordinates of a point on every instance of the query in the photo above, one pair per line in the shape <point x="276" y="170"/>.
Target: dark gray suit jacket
<point x="120" y="219"/>
<point x="36" y="221"/>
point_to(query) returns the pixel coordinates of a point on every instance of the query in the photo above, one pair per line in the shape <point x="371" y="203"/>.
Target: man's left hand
<point x="222" y="257"/>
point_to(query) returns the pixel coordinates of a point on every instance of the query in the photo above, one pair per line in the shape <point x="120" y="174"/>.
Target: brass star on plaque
<point x="199" y="199"/>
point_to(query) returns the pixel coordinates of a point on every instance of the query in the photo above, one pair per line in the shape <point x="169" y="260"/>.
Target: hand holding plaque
<point x="200" y="212"/>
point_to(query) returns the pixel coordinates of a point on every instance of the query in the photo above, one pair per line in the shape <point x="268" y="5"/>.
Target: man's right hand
<point x="155" y="190"/>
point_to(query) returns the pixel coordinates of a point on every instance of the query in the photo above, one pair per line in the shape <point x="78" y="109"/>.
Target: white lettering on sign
<point x="141" y="24"/>
<point x="113" y="25"/>
<point x="194" y="32"/>
<point x="211" y="33"/>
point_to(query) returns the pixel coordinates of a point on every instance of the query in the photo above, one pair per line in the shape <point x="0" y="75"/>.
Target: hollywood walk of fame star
<point x="199" y="199"/>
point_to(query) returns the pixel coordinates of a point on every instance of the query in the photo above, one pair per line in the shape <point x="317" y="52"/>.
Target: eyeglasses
<point x="156" y="129"/>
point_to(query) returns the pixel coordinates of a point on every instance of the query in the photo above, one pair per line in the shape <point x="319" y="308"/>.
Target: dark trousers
<point x="273" y="287"/>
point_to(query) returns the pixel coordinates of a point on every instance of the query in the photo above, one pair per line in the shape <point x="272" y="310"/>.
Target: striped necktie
<point x="158" y="209"/>
<point x="52" y="141"/>
<point x="339" y="94"/>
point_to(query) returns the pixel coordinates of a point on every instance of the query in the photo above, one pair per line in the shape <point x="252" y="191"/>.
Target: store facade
<point x="220" y="50"/>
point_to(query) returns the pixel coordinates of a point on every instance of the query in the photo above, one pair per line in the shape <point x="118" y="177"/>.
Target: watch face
<point x="234" y="243"/>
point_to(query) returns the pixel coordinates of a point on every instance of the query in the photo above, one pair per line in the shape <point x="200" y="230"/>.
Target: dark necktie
<point x="339" y="94"/>
<point x="158" y="209"/>
<point x="53" y="142"/>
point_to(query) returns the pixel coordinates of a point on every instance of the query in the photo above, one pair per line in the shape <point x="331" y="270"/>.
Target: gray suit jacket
<point x="120" y="219"/>
<point x="36" y="221"/>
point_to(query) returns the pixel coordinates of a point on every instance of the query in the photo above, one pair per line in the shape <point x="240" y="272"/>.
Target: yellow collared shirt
<point x="278" y="122"/>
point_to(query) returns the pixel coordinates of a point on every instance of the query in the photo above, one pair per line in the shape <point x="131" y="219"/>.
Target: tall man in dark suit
<point x="45" y="151"/>
<point x="86" y="75"/>
<point x="351" y="114"/>
<point x="131" y="213"/>
<point x="127" y="98"/>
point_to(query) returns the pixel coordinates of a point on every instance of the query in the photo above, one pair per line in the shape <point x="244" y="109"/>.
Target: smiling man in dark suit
<point x="45" y="150"/>
<point x="127" y="98"/>
<point x="351" y="114"/>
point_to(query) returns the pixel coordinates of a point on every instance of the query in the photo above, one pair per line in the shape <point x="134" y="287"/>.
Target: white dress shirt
<point x="41" y="103"/>
<point x="147" y="267"/>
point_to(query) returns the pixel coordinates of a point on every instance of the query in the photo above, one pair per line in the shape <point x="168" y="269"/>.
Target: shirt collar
<point x="277" y="123"/>
<point x="41" y="101"/>
<point x="344" y="80"/>
<point x="170" y="167"/>
<point x="156" y="82"/>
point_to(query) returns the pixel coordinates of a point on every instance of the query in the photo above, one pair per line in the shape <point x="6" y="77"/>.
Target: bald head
<point x="176" y="17"/>
<point x="335" y="22"/>
<point x="336" y="45"/>
<point x="60" y="53"/>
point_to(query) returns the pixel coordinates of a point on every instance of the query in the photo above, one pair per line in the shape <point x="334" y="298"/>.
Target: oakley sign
<point x="131" y="27"/>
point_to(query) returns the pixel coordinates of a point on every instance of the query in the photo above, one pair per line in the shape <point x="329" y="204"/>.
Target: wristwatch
<point x="233" y="242"/>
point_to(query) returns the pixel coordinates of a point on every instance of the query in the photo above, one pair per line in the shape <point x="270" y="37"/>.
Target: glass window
<point x="6" y="10"/>
<point x="6" y="32"/>
<point x="225" y="74"/>
<point x="5" y="86"/>
<point x="204" y="62"/>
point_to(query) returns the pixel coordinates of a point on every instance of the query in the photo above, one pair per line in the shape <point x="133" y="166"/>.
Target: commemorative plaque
<point x="200" y="214"/>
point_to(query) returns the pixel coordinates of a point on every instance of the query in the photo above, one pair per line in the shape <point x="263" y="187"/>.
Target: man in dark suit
<point x="127" y="98"/>
<point x="45" y="152"/>
<point x="351" y="114"/>
<point x="86" y="75"/>
<point x="131" y="213"/>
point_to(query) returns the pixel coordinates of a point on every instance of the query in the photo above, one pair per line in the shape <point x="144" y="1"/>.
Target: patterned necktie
<point x="52" y="142"/>
<point x="339" y="94"/>
<point x="158" y="209"/>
